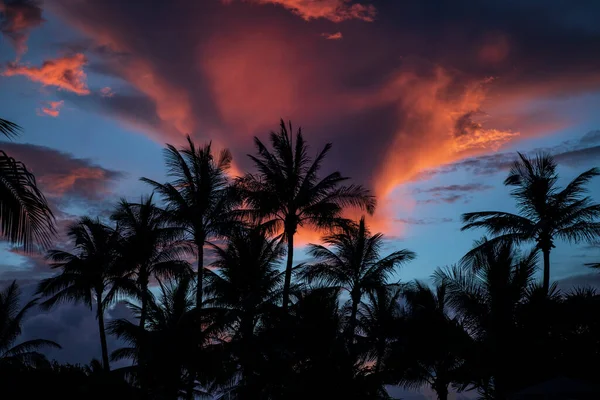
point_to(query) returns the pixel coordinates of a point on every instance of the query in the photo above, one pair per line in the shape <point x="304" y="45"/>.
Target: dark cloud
<point x="73" y="326"/>
<point x="61" y="176"/>
<point x="17" y="19"/>
<point x="591" y="279"/>
<point x="451" y="193"/>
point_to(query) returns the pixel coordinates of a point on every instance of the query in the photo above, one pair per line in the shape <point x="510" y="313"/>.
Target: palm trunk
<point x="546" y="253"/>
<point x="199" y="292"/>
<point x="441" y="391"/>
<point x="142" y="349"/>
<point x="355" y="301"/>
<point x="199" y="287"/>
<point x="288" y="271"/>
<point x="100" y="315"/>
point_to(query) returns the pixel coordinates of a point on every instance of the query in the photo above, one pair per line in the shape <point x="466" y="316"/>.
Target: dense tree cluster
<point x="222" y="311"/>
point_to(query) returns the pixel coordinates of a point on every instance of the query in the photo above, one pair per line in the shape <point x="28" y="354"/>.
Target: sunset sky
<point x="425" y="101"/>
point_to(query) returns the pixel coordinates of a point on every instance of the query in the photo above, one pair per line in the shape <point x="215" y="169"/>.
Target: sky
<point x="426" y="102"/>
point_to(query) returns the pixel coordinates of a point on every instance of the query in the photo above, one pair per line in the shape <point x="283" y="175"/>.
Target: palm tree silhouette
<point x="246" y="283"/>
<point x="486" y="292"/>
<point x="89" y="275"/>
<point x="431" y="343"/>
<point x="379" y="319"/>
<point x="287" y="189"/>
<point x="151" y="246"/>
<point x="11" y="317"/>
<point x="547" y="213"/>
<point x="353" y="263"/>
<point x="171" y="343"/>
<point x="25" y="217"/>
<point x="199" y="197"/>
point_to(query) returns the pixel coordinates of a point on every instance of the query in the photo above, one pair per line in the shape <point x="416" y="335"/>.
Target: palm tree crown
<point x="353" y="263"/>
<point x="288" y="190"/>
<point x="25" y="217"/>
<point x="199" y="196"/>
<point x="547" y="212"/>
<point x="11" y="318"/>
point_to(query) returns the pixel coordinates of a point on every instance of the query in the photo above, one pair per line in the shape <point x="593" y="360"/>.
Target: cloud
<point x="333" y="10"/>
<point x="17" y="19"/>
<point x="416" y="99"/>
<point x="65" y="73"/>
<point x="451" y="194"/>
<point x="332" y="36"/>
<point x="106" y="92"/>
<point x="51" y="108"/>
<point x="61" y="176"/>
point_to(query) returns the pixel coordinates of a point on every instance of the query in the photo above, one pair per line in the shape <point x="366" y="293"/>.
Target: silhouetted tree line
<point x="335" y="327"/>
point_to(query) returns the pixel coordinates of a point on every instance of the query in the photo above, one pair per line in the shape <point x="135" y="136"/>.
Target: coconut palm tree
<point x="90" y="274"/>
<point x="199" y="197"/>
<point x="431" y="345"/>
<point x="486" y="292"/>
<point x="152" y="247"/>
<point x="288" y="190"/>
<point x="546" y="212"/>
<point x="245" y="284"/>
<point x="379" y="319"/>
<point x="170" y="343"/>
<point x="25" y="217"/>
<point x="11" y="318"/>
<point x="350" y="259"/>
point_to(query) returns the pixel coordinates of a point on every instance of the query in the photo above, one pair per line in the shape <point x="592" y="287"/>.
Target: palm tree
<point x="11" y="318"/>
<point x="378" y="321"/>
<point x="546" y="212"/>
<point x="354" y="263"/>
<point x="170" y="343"/>
<point x="25" y="217"/>
<point x="90" y="274"/>
<point x="151" y="246"/>
<point x="430" y="346"/>
<point x="486" y="292"/>
<point x="288" y="190"/>
<point x="246" y="283"/>
<point x="199" y="197"/>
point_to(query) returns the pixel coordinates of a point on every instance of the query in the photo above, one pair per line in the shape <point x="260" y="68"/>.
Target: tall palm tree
<point x="246" y="283"/>
<point x="25" y="217"/>
<point x="430" y="346"/>
<point x="351" y="260"/>
<point x="288" y="190"/>
<point x="90" y="274"/>
<point x="486" y="292"/>
<point x="547" y="212"/>
<point x="152" y="247"/>
<point x="11" y="318"/>
<point x="199" y="197"/>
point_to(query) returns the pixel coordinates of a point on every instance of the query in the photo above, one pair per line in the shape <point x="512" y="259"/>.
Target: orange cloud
<point x="438" y="127"/>
<point x="52" y="108"/>
<point x="332" y="36"/>
<point x="333" y="10"/>
<point x="19" y="18"/>
<point x="65" y="73"/>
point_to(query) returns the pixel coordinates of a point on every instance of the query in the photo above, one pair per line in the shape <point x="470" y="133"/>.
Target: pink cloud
<point x="65" y="73"/>
<point x="51" y="108"/>
<point x="333" y="10"/>
<point x="332" y="36"/>
<point x="106" y="92"/>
